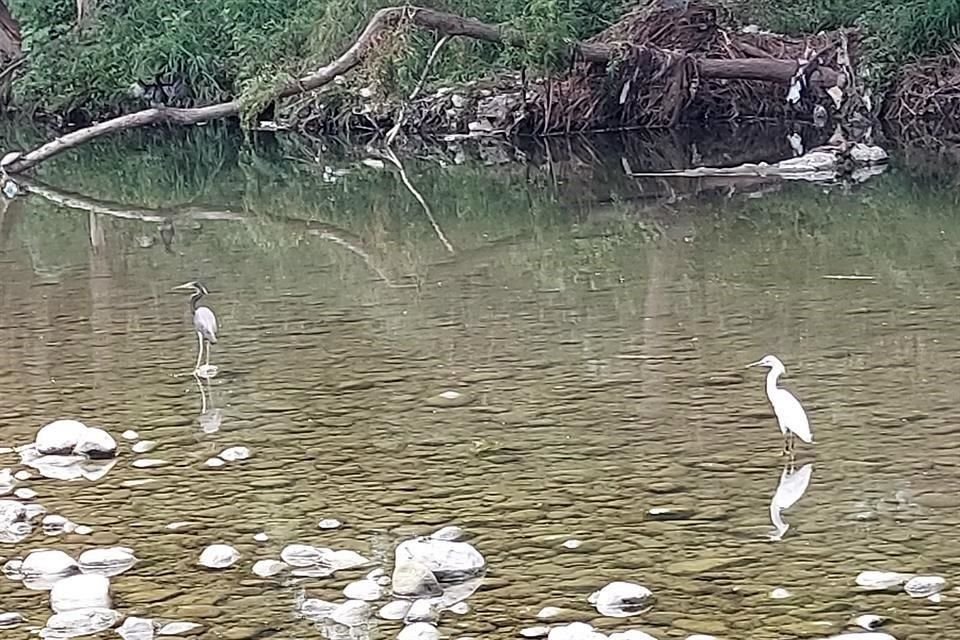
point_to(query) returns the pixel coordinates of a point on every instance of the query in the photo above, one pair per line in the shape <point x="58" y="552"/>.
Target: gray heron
<point x="204" y="322"/>
<point x="791" y="417"/>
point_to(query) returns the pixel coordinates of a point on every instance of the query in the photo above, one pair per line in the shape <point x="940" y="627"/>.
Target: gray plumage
<point x="204" y="320"/>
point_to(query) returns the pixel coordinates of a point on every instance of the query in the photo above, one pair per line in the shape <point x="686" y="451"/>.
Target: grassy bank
<point x="230" y="48"/>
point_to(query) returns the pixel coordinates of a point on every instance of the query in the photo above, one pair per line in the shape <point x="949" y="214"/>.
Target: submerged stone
<point x="924" y="586"/>
<point x="233" y="454"/>
<point x="10" y="620"/>
<point x="881" y="580"/>
<point x="329" y="523"/>
<point x="85" y="591"/>
<point x="80" y="622"/>
<point x="623" y="599"/>
<point x="413" y="579"/>
<point x="317" y="609"/>
<point x="367" y="590"/>
<point x="419" y="631"/>
<point x="108" y="561"/>
<point x="449" y="533"/>
<point x="448" y="561"/>
<point x="178" y="628"/>
<point x="268" y="568"/>
<point x="395" y="610"/>
<point x="575" y="631"/>
<point x="351" y="613"/>
<point x="534" y="632"/>
<point x="134" y="628"/>
<point x="219" y="556"/>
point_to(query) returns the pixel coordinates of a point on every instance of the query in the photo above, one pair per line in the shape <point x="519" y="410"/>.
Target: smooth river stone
<point x="134" y="628"/>
<point x="268" y="568"/>
<point x="177" y="628"/>
<point x="419" y="631"/>
<point x="85" y="591"/>
<point x="219" y="556"/>
<point x="623" y="599"/>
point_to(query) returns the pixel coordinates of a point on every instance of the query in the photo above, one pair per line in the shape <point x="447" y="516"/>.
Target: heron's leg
<point x="200" y="347"/>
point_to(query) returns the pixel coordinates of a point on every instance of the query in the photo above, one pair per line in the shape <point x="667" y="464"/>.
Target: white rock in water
<point x="178" y="628"/>
<point x="534" y="632"/>
<point x="881" y="580"/>
<point x="571" y="544"/>
<point x="97" y="444"/>
<point x="25" y="493"/>
<point x="83" y="530"/>
<point x="363" y="590"/>
<point x="317" y="609"/>
<point x="267" y="568"/>
<point x="351" y="613"/>
<point x="450" y="534"/>
<point x="329" y="523"/>
<point x="395" y="610"/>
<point x="345" y="559"/>
<point x="10" y="620"/>
<point x="301" y="555"/>
<point x="448" y="561"/>
<point x="233" y="454"/>
<point x="134" y="628"/>
<point x="575" y="631"/>
<point x="85" y="591"/>
<point x="460" y="608"/>
<point x="145" y="463"/>
<point x="924" y="586"/>
<point x="261" y="537"/>
<point x="79" y="622"/>
<point x="214" y="462"/>
<point x="23" y="475"/>
<point x="869" y="621"/>
<point x="48" y="562"/>
<point x="623" y="599"/>
<point x="107" y="561"/>
<point x="633" y="634"/>
<point x="700" y="636"/>
<point x="219" y="556"/>
<point x="549" y="612"/>
<point x="130" y="434"/>
<point x="862" y="636"/>
<point x="419" y="631"/>
<point x="422" y="610"/>
<point x="144" y="446"/>
<point x="780" y="594"/>
<point x="414" y="579"/>
<point x="60" y="437"/>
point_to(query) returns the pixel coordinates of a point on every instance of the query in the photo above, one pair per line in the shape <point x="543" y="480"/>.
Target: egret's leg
<point x="208" y="355"/>
<point x="784" y="451"/>
<point x="200" y="351"/>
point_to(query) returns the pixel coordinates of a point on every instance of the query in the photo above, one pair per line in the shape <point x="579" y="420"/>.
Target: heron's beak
<point x="187" y="285"/>
<point x="754" y="364"/>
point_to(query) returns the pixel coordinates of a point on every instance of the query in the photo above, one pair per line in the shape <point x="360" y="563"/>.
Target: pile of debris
<point x="655" y="68"/>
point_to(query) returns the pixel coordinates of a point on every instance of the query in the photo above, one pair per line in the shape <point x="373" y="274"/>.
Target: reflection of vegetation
<point x="514" y="216"/>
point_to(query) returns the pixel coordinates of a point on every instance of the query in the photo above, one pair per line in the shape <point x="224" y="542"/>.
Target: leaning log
<point x="446" y="24"/>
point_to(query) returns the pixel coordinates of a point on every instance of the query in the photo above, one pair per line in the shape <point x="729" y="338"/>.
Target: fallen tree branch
<point x="449" y="25"/>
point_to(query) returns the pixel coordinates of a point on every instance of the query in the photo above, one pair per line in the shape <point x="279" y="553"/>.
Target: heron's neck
<point x="772" y="377"/>
<point x="195" y="299"/>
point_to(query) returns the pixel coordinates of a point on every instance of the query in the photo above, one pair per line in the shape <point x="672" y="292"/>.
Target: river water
<point x="555" y="364"/>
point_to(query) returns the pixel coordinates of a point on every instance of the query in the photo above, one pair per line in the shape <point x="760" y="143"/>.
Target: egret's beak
<point x="186" y="285"/>
<point x="754" y="364"/>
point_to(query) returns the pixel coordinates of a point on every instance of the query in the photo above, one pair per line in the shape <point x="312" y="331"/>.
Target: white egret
<point x="790" y="414"/>
<point x="204" y="321"/>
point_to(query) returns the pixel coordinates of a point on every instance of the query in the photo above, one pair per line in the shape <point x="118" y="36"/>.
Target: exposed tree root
<point x="763" y="68"/>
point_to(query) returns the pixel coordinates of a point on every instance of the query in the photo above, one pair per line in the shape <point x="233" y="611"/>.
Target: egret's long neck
<point x="772" y="376"/>
<point x="195" y="299"/>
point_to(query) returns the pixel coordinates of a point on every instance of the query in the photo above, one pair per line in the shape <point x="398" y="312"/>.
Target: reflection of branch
<point x="327" y="232"/>
<point x="392" y="157"/>
<point x="426" y="67"/>
<point x="119" y="210"/>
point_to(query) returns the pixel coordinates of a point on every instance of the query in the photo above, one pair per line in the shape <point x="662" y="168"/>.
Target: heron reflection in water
<point x="205" y="324"/>
<point x="791" y="417"/>
<point x="793" y="484"/>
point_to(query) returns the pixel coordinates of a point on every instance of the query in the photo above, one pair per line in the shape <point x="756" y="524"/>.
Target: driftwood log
<point x="764" y="69"/>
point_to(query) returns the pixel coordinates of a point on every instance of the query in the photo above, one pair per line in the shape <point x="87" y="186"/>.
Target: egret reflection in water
<point x="793" y="484"/>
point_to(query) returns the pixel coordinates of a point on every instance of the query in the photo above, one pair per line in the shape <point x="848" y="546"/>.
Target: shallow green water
<point x="599" y="329"/>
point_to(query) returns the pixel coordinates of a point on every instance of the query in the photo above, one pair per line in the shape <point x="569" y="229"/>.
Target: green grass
<point x="230" y="47"/>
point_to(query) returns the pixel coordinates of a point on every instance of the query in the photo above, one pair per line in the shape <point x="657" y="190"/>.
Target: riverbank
<point x="430" y="72"/>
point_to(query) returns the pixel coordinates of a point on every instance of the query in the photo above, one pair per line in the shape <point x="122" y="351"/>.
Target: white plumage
<point x="791" y="417"/>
